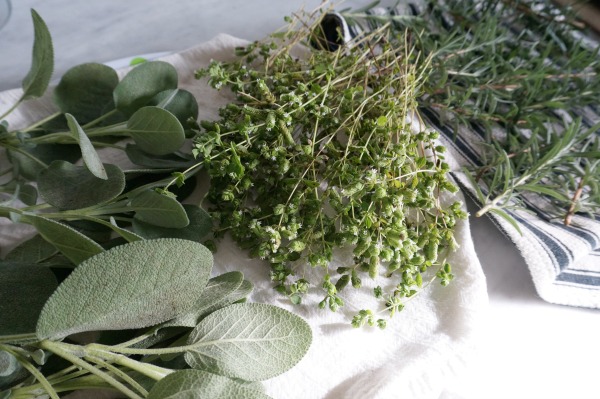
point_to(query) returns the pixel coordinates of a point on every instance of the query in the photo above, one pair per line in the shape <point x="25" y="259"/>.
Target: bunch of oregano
<point x="318" y="152"/>
<point x="117" y="257"/>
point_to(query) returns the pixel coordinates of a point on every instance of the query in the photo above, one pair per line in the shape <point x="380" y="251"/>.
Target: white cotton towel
<point x="423" y="346"/>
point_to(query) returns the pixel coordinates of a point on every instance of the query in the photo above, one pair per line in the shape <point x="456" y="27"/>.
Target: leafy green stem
<point x="100" y="119"/>
<point x="6" y="339"/>
<point x="11" y="109"/>
<point x="118" y="373"/>
<point x="42" y="121"/>
<point x="32" y="370"/>
<point x="63" y="350"/>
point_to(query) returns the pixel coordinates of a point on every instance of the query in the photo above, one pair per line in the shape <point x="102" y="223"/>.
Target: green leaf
<point x="8" y="364"/>
<point x="199" y="227"/>
<point x="74" y="245"/>
<point x="26" y="167"/>
<point x="218" y="293"/>
<point x="507" y="217"/>
<point x="249" y="341"/>
<point x="191" y="384"/>
<point x="169" y="161"/>
<point x="142" y="83"/>
<point x="135" y="285"/>
<point x="68" y="186"/>
<point x="126" y="234"/>
<point x="85" y="91"/>
<point x="91" y="159"/>
<point x="25" y="289"/>
<point x="28" y="194"/>
<point x="540" y="189"/>
<point x="179" y="102"/>
<point x="11" y="372"/>
<point x="34" y="250"/>
<point x="156" y="130"/>
<point x="42" y="63"/>
<point x="159" y="210"/>
<point x="112" y="224"/>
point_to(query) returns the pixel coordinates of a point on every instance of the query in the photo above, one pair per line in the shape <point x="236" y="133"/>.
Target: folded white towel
<point x="423" y="346"/>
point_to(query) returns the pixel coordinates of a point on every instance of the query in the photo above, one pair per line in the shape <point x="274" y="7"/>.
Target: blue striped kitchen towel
<point x="564" y="260"/>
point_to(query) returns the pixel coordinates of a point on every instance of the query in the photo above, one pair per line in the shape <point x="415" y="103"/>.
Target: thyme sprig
<point x="317" y="153"/>
<point x="511" y="79"/>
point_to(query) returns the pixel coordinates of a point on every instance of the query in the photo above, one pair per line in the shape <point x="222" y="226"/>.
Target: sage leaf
<point x="159" y="209"/>
<point x="86" y="90"/>
<point x="191" y="384"/>
<point x="34" y="250"/>
<point x="91" y="159"/>
<point x="179" y="102"/>
<point x="142" y="83"/>
<point x="169" y="161"/>
<point x="68" y="186"/>
<point x="8" y="364"/>
<point x="11" y="372"/>
<point x="28" y="194"/>
<point x="134" y="285"/>
<point x="25" y="289"/>
<point x="199" y="227"/>
<point x="37" y="79"/>
<point x="156" y="130"/>
<point x="27" y="167"/>
<point x="74" y="245"/>
<point x="215" y="295"/>
<point x="126" y="234"/>
<point x="250" y="341"/>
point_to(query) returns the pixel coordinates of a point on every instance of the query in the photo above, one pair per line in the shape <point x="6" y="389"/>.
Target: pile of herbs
<point x="319" y="151"/>
<point x="524" y="75"/>
<point x="116" y="256"/>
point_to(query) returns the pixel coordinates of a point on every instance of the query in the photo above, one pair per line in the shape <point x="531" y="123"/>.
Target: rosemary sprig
<point x="513" y="77"/>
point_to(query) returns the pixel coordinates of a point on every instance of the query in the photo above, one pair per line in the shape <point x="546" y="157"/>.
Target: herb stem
<point x="100" y="119"/>
<point x="7" y="339"/>
<point x="42" y="121"/>
<point x="32" y="370"/>
<point x="571" y="211"/>
<point x="62" y="350"/>
<point x="11" y="109"/>
<point x="119" y="373"/>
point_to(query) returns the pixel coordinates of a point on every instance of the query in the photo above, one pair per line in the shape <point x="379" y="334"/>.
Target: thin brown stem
<point x="576" y="196"/>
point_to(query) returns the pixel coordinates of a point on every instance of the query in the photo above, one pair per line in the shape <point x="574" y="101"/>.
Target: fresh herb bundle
<point x="202" y="339"/>
<point x="523" y="79"/>
<point x="135" y="278"/>
<point x="318" y="152"/>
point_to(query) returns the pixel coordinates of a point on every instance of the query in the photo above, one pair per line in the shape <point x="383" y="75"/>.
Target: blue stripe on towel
<point x="555" y="247"/>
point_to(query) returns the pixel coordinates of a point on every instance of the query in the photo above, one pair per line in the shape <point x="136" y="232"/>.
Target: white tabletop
<point x="531" y="349"/>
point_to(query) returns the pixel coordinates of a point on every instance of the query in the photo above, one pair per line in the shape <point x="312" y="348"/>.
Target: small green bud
<point x="373" y="266"/>
<point x="356" y="281"/>
<point x="378" y="291"/>
<point x="419" y="280"/>
<point x="297" y="246"/>
<point x="342" y="282"/>
<point x="296" y="299"/>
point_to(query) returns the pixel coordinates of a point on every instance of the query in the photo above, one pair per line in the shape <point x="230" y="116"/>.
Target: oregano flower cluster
<point x="317" y="153"/>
